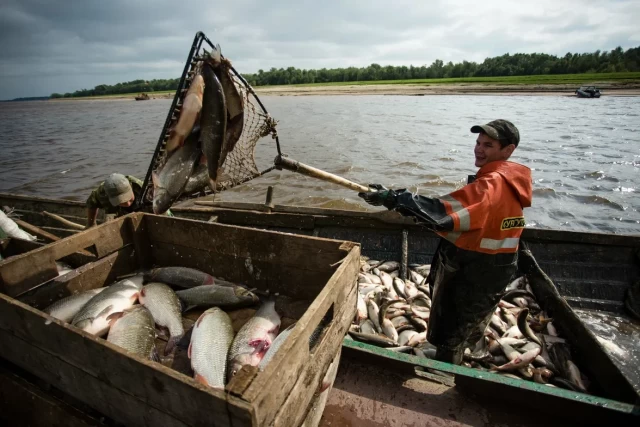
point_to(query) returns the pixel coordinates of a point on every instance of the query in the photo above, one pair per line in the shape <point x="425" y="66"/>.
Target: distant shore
<point x="409" y="89"/>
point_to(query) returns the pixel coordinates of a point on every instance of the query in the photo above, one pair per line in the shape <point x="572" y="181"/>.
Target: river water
<point x="584" y="153"/>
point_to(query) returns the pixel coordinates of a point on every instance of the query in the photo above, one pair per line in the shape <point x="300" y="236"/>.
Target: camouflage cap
<point x="118" y="189"/>
<point x="502" y="130"/>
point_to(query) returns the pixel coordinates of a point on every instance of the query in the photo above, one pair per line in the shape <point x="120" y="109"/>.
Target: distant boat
<point x="588" y="92"/>
<point x="142" y="97"/>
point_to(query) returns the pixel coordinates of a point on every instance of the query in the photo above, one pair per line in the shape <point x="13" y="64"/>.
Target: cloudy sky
<point x="62" y="46"/>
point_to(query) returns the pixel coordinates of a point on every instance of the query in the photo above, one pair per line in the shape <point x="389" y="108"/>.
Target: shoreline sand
<point x="407" y="89"/>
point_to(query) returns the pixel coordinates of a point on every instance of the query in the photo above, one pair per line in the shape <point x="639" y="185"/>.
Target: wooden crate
<point x="315" y="279"/>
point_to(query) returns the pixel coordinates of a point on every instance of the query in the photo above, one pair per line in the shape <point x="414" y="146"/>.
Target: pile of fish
<point x="520" y="341"/>
<point x="131" y="311"/>
<point x="208" y="126"/>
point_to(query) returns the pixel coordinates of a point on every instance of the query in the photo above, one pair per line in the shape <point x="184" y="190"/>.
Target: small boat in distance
<point x="588" y="92"/>
<point x="142" y="97"/>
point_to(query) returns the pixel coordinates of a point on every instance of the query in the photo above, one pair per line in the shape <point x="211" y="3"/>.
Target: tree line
<point x="520" y="64"/>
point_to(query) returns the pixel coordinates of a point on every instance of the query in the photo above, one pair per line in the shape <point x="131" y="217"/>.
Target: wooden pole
<point x="295" y="166"/>
<point x="64" y="221"/>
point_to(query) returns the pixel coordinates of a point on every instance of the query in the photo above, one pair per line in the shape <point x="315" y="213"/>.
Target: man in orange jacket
<point x="480" y="227"/>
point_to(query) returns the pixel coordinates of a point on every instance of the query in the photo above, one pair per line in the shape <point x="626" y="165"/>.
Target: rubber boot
<point x="453" y="356"/>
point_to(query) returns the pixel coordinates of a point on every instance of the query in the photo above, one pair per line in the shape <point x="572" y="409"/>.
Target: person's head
<point x="119" y="190"/>
<point x="496" y="141"/>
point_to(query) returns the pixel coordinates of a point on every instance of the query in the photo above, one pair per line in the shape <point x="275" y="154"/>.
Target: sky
<point x="63" y="46"/>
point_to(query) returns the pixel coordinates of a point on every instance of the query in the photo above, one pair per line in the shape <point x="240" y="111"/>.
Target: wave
<point x="597" y="200"/>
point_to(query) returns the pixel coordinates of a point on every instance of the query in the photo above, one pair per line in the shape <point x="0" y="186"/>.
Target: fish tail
<point x="172" y="343"/>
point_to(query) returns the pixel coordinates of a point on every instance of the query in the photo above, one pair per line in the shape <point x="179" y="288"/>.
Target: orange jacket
<point x="484" y="216"/>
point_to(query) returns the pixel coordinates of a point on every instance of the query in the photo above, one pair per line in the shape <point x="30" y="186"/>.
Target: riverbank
<point x="410" y="89"/>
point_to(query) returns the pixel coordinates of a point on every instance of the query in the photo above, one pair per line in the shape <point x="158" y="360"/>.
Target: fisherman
<point x="480" y="227"/>
<point x="115" y="195"/>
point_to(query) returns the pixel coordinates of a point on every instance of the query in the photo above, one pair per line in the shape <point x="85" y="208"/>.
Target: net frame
<point x="239" y="166"/>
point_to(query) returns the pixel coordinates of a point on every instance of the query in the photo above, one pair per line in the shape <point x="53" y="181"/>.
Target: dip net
<point x="240" y="164"/>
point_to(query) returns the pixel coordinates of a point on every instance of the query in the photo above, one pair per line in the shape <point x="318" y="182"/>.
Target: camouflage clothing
<point x="98" y="198"/>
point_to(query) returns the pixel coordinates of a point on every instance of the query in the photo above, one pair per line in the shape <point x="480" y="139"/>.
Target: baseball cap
<point x="502" y="130"/>
<point x="118" y="189"/>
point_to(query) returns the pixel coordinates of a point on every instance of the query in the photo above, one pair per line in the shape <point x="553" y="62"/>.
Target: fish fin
<point x="48" y="322"/>
<point x="209" y="281"/>
<point x="154" y="355"/>
<point x="201" y="379"/>
<point x="114" y="316"/>
<point x="215" y="53"/>
<point x="189" y="351"/>
<point x="103" y="313"/>
<point x="134" y="298"/>
<point x="171" y="344"/>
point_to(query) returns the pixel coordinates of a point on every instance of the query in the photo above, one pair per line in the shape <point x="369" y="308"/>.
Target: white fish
<point x="66" y="308"/>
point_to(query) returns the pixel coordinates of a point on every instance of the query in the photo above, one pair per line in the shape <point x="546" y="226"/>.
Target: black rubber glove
<point x="381" y="196"/>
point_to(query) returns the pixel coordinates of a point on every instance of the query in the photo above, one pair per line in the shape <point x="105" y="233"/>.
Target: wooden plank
<point x="97" y="393"/>
<point x="270" y="246"/>
<point x="46" y="235"/>
<point x="90" y="276"/>
<point x="289" y="280"/>
<point x="64" y="221"/>
<point x="24" y="401"/>
<point x="150" y="387"/>
<point x="138" y="226"/>
<point x="297" y="404"/>
<point x="23" y="272"/>
<point x="293" y="358"/>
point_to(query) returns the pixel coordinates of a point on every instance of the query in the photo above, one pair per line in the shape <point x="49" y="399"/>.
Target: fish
<point x="209" y="346"/>
<point x="165" y="307"/>
<point x="182" y="277"/>
<point x="273" y="349"/>
<point x="134" y="330"/>
<point x="376" y="339"/>
<point x="366" y="327"/>
<point x="361" y="309"/>
<point x="523" y="326"/>
<point x="234" y="101"/>
<point x="575" y="377"/>
<point x="92" y="317"/>
<point x="373" y="312"/>
<point x="213" y="123"/>
<point x="218" y="296"/>
<point x="405" y="336"/>
<point x="63" y="268"/>
<point x="169" y="183"/>
<point x="389" y="266"/>
<point x="520" y="361"/>
<point x="254" y="338"/>
<point x="191" y="108"/>
<point x="66" y="308"/>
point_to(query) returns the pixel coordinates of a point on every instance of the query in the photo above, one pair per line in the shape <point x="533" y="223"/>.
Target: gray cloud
<point x="63" y="46"/>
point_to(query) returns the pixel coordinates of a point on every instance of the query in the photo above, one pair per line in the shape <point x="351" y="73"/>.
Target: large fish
<point x="235" y="107"/>
<point x="165" y="307"/>
<point x="134" y="330"/>
<point x="218" y="296"/>
<point x="66" y="308"/>
<point x="92" y="318"/>
<point x="182" y="277"/>
<point x="191" y="107"/>
<point x="254" y="338"/>
<point x="213" y="122"/>
<point x="210" y="341"/>
<point x="200" y="179"/>
<point x="171" y="180"/>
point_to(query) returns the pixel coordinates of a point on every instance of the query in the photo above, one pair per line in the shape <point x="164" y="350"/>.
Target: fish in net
<point x="180" y="166"/>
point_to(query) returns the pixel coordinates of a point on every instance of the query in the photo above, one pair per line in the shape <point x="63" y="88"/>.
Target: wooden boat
<point x="142" y="97"/>
<point x="584" y="279"/>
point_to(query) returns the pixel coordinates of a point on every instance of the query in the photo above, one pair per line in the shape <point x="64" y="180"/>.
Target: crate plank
<point x="90" y="276"/>
<point x="22" y="272"/>
<point x="151" y="384"/>
<point x="309" y="253"/>
<point x="24" y="403"/>
<point x="294" y="355"/>
<point x="299" y="400"/>
<point x="97" y="393"/>
<point x="292" y="281"/>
